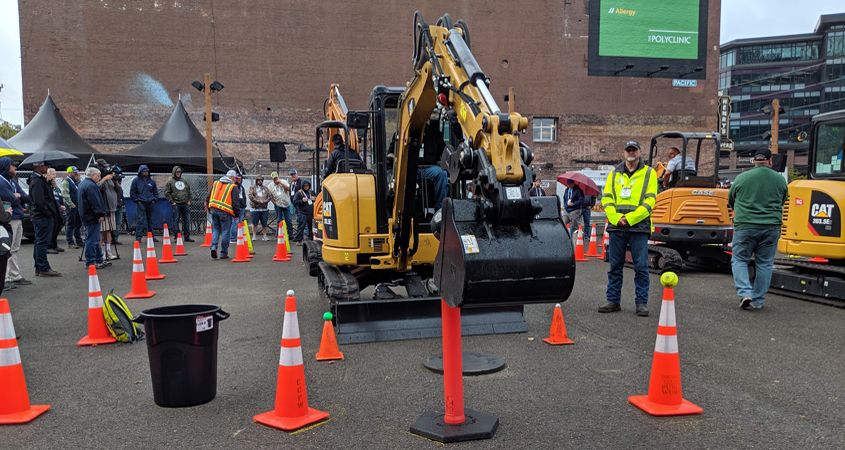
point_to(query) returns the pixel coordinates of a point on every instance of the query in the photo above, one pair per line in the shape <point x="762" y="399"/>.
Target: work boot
<point x="214" y="254"/>
<point x="610" y="307"/>
<point x="50" y="273"/>
<point x="72" y="246"/>
<point x="642" y="311"/>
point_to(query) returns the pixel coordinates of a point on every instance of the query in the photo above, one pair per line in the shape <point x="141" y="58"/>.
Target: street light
<point x="696" y="70"/>
<point x="661" y="69"/>
<point x="627" y="67"/>
<point x="209" y="117"/>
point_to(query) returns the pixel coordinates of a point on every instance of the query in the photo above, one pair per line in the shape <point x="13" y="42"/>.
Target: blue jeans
<point x="220" y="225"/>
<point x="118" y="222"/>
<point x="619" y="240"/>
<point x="143" y="219"/>
<point x="284" y="213"/>
<point x="73" y="228"/>
<point x="586" y="213"/>
<point x="435" y="177"/>
<point x="43" y="234"/>
<point x="762" y="243"/>
<point x="233" y="229"/>
<point x="93" y="251"/>
<point x="183" y="210"/>
<point x="303" y="228"/>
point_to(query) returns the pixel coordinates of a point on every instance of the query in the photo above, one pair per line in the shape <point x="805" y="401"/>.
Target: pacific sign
<point x="684" y="83"/>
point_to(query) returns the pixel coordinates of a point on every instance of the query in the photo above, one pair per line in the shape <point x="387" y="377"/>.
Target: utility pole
<point x="208" y="163"/>
<point x="775" y="123"/>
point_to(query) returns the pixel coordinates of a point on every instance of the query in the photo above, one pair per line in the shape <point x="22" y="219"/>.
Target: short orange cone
<point x="139" y="279"/>
<point x="593" y="250"/>
<point x="818" y="259"/>
<point x="98" y="333"/>
<point x="557" y="334"/>
<point x="664" y="388"/>
<point x="208" y="233"/>
<point x="292" y="411"/>
<point x="328" y="345"/>
<point x="605" y="246"/>
<point x="579" y="246"/>
<point x="281" y="248"/>
<point x="152" y="262"/>
<point x="14" y="398"/>
<point x="241" y="254"/>
<point x="167" y="248"/>
<point x="180" y="246"/>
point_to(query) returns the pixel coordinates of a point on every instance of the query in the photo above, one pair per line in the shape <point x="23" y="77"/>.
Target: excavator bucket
<point x="483" y="264"/>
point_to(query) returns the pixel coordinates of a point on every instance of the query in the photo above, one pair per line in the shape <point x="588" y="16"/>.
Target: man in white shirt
<point x="673" y="169"/>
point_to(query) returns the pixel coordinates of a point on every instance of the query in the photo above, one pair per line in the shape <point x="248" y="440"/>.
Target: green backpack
<point x="119" y="320"/>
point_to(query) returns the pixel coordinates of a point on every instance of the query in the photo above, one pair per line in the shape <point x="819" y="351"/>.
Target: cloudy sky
<point x="740" y="19"/>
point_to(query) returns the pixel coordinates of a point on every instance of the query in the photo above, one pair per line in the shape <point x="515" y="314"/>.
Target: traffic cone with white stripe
<point x="664" y="389"/>
<point x="208" y="233"/>
<point x="292" y="411"/>
<point x="593" y="250"/>
<point x="167" y="248"/>
<point x="139" y="279"/>
<point x="241" y="254"/>
<point x="281" y="248"/>
<point x="579" y="245"/>
<point x="14" y="398"/>
<point x="605" y="246"/>
<point x="98" y="332"/>
<point x="557" y="333"/>
<point x="152" y="262"/>
<point x="180" y="246"/>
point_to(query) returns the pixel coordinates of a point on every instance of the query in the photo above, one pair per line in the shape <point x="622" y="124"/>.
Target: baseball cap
<point x="72" y="169"/>
<point x="274" y="175"/>
<point x="231" y="173"/>
<point x="292" y="171"/>
<point x="634" y="144"/>
<point x="763" y="154"/>
<point x="259" y="177"/>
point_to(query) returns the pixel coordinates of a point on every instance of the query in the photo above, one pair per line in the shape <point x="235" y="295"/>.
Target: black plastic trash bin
<point x="182" y="344"/>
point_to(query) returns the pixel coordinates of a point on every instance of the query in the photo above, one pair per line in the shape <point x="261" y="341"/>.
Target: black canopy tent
<point x="49" y="130"/>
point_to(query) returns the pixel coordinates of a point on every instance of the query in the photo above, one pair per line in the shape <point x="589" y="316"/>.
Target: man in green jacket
<point x="757" y="197"/>
<point x="177" y="191"/>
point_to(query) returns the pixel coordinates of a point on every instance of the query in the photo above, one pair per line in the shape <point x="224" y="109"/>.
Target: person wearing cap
<point x="70" y="190"/>
<point x="43" y="214"/>
<point x="280" y="191"/>
<point x="672" y="173"/>
<point x="11" y="193"/>
<point x="239" y="195"/>
<point x="93" y="210"/>
<point x="177" y="191"/>
<point x="259" y="196"/>
<point x="340" y="154"/>
<point x="304" y="202"/>
<point x="628" y="199"/>
<point x="757" y="197"/>
<point x="223" y="207"/>
<point x="144" y="193"/>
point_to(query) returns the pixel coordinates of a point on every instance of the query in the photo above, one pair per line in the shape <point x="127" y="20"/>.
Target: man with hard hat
<point x="70" y="190"/>
<point x="224" y="207"/>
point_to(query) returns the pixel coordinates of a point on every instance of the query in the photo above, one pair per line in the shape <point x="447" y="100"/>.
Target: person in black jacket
<point x="43" y="214"/>
<point x="304" y="203"/>
<point x="93" y="209"/>
<point x="339" y="154"/>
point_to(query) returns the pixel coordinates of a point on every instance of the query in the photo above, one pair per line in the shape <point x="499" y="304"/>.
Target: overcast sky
<point x="740" y="19"/>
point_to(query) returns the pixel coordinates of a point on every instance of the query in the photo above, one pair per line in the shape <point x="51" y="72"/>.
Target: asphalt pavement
<point x="765" y="379"/>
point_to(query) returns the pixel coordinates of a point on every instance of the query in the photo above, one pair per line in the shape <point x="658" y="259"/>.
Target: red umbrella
<point x="584" y="182"/>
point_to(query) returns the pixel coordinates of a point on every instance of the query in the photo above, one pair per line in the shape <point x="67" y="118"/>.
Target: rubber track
<point x="337" y="285"/>
<point x="312" y="255"/>
<point x="807" y="298"/>
<point x="812" y="266"/>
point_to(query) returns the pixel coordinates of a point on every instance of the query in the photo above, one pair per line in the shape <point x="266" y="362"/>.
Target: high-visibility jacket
<point x="632" y="196"/>
<point x="221" y="197"/>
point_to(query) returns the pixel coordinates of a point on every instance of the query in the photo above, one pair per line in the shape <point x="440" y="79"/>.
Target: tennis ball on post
<point x="327" y="316"/>
<point x="669" y="279"/>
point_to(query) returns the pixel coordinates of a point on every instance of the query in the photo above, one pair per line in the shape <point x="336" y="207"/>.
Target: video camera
<point x="106" y="168"/>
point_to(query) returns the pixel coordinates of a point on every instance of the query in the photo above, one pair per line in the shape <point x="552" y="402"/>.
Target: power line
<point x="777" y="75"/>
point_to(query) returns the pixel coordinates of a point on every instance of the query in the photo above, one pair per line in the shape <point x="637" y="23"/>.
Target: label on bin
<point x="205" y="323"/>
<point x="470" y="244"/>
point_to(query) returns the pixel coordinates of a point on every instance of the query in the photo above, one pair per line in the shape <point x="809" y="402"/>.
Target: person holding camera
<point x="177" y="191"/>
<point x="144" y="193"/>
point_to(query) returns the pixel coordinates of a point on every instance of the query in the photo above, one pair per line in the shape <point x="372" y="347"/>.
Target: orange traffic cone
<point x="167" y="248"/>
<point x="208" y="234"/>
<point x="328" y="345"/>
<point x="14" y="398"/>
<point x="579" y="246"/>
<point x="241" y="254"/>
<point x="605" y="256"/>
<point x="557" y="334"/>
<point x="152" y="262"/>
<point x="180" y="246"/>
<point x="818" y="259"/>
<point x="664" y="388"/>
<point x="281" y="248"/>
<point x="592" y="251"/>
<point x="292" y="411"/>
<point x="139" y="279"/>
<point x="98" y="333"/>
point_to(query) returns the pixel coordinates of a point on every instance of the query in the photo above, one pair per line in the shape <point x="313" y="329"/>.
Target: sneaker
<point x="49" y="274"/>
<point x="100" y="265"/>
<point x="106" y="263"/>
<point x="21" y="282"/>
<point x="610" y="307"/>
<point x="155" y="240"/>
<point x="224" y="256"/>
<point x="265" y="238"/>
<point x="745" y="303"/>
<point x="642" y="311"/>
<point x="72" y="246"/>
<point x="189" y="240"/>
<point x="254" y="238"/>
<point x="58" y="249"/>
<point x="52" y="251"/>
<point x="214" y="254"/>
<point x="9" y="287"/>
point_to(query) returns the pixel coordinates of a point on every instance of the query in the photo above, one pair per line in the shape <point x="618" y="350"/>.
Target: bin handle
<point x="222" y="315"/>
<point x="139" y="319"/>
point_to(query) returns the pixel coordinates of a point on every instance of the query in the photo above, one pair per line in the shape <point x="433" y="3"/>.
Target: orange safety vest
<point x="221" y="197"/>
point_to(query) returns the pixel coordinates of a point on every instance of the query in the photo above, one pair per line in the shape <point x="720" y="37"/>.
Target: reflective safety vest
<point x="221" y="197"/>
<point x="631" y="196"/>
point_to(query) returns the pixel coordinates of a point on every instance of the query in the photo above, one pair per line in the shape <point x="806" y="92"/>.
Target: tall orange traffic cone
<point x="557" y="334"/>
<point x="579" y="246"/>
<point x="98" y="333"/>
<point x="664" y="388"/>
<point x="328" y="344"/>
<point x="139" y="279"/>
<point x="281" y="248"/>
<point x="14" y="398"/>
<point x="152" y="262"/>
<point x="241" y="254"/>
<point x="292" y="411"/>
<point x="605" y="256"/>
<point x="167" y="248"/>
<point x="180" y="246"/>
<point x="593" y="250"/>
<point x="208" y="234"/>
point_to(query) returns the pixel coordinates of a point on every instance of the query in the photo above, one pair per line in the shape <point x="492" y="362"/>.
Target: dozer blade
<point x="485" y="264"/>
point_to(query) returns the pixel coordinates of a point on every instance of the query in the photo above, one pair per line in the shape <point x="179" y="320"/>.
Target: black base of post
<point x="473" y="364"/>
<point x="477" y="426"/>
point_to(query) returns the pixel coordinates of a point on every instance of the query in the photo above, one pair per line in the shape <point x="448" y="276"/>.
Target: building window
<point x="545" y="129"/>
<point x="836" y="44"/>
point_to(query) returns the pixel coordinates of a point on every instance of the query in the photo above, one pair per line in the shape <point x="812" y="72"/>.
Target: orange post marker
<point x="664" y="389"/>
<point x="592" y="251"/>
<point x="180" y="246"/>
<point x="152" y="262"/>
<point x="139" y="279"/>
<point x="167" y="248"/>
<point x="281" y="248"/>
<point x="14" y="398"/>
<point x="242" y="254"/>
<point x="292" y="411"/>
<point x="557" y="333"/>
<point x="328" y="344"/>
<point x="579" y="246"/>
<point x="208" y="234"/>
<point x="98" y="333"/>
